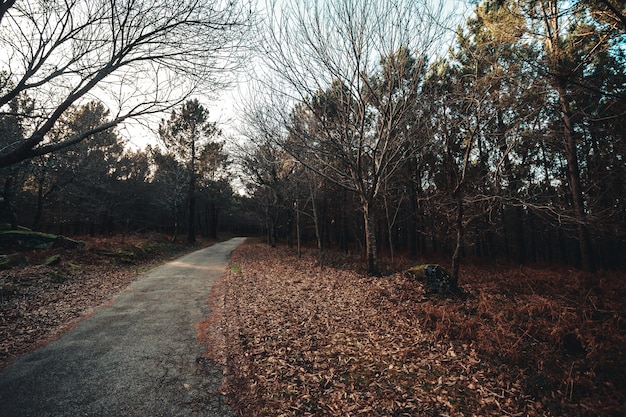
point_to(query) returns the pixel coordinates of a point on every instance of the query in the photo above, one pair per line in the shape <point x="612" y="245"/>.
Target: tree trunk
<point x="191" y="232"/>
<point x="8" y="207"/>
<point x="289" y="226"/>
<point x="203" y="227"/>
<point x="213" y="215"/>
<point x="271" y="230"/>
<point x="533" y="242"/>
<point x="412" y="222"/>
<point x="343" y="233"/>
<point x="573" y="174"/>
<point x="456" y="257"/>
<point x="370" y="240"/>
<point x="505" y="235"/>
<point x="414" y="207"/>
<point x="298" y="237"/>
<point x="40" y="199"/>
<point x="389" y="228"/>
<point x="555" y="45"/>
<point x="316" y="223"/>
<point x="521" y="243"/>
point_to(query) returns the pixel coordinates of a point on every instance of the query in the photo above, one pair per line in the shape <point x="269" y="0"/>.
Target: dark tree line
<point x="511" y="145"/>
<point x="73" y="71"/>
<point x="101" y="187"/>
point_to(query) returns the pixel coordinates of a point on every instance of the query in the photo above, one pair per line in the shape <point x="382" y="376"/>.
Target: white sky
<point x="224" y="108"/>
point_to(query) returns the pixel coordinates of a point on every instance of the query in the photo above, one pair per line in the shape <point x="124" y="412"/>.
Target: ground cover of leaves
<point x="38" y="302"/>
<point x="299" y="340"/>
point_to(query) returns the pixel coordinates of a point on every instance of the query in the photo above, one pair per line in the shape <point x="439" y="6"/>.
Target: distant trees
<point x="376" y="129"/>
<point x="74" y="70"/>
<point x="510" y="145"/>
<point x="101" y="187"/>
<point x="266" y="168"/>
<point x="77" y="179"/>
<point x="170" y="180"/>
<point x="188" y="137"/>
<point x="86" y="188"/>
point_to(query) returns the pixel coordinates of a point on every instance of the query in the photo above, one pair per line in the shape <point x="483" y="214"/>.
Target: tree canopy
<point x="511" y="140"/>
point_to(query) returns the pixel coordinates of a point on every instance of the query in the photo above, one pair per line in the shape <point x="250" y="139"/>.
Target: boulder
<point x="13" y="259"/>
<point x="53" y="260"/>
<point x="436" y="279"/>
<point x="26" y="239"/>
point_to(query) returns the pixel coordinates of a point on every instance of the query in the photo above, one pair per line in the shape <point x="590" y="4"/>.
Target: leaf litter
<point x="299" y="340"/>
<point x="296" y="339"/>
<point x="39" y="302"/>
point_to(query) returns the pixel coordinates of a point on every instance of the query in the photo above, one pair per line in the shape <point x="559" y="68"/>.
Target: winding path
<point x="136" y="357"/>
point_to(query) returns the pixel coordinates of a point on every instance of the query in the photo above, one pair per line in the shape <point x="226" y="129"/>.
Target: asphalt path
<point x="138" y="356"/>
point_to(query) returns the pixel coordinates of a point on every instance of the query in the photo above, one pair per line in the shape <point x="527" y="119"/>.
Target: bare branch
<point x="124" y="52"/>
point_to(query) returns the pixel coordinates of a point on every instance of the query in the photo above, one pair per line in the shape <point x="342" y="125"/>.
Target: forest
<point x="497" y="136"/>
<point x="483" y="138"/>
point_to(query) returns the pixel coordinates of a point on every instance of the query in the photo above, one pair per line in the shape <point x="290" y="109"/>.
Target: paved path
<point x="137" y="357"/>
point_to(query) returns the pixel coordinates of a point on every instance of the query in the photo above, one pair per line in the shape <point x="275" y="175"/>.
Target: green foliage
<point x="235" y="269"/>
<point x="52" y="260"/>
<point x="188" y="133"/>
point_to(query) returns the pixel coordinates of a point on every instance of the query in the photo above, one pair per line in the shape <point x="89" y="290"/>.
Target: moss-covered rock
<point x="128" y="254"/>
<point x="25" y="239"/>
<point x="7" y="226"/>
<point x="53" y="260"/>
<point x="13" y="259"/>
<point x="436" y="279"/>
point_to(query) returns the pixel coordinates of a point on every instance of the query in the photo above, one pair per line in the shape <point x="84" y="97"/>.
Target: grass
<point x="235" y="269"/>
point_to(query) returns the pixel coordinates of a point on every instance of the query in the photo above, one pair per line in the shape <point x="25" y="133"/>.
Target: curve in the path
<point x="136" y="357"/>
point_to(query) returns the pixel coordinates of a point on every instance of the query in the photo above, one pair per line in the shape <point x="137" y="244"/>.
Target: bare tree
<point x="138" y="57"/>
<point x="265" y="166"/>
<point x="355" y="69"/>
